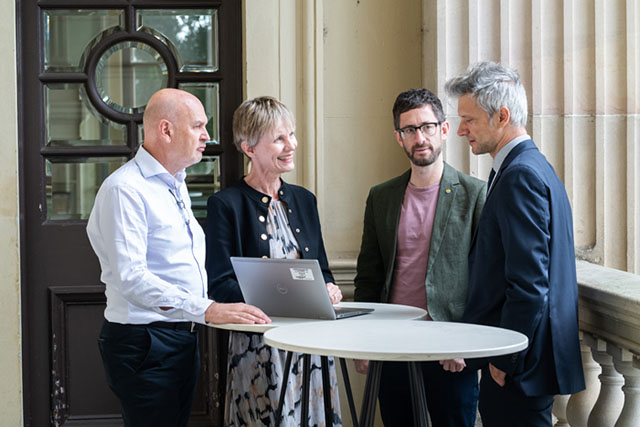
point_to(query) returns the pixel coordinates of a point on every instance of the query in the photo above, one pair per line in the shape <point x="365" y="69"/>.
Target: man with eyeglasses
<point x="152" y="254"/>
<point x="417" y="233"/>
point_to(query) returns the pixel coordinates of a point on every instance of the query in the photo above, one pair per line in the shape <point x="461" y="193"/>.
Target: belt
<point x="176" y="326"/>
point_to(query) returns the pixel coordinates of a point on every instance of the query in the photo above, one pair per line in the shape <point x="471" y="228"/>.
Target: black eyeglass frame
<point x="420" y="128"/>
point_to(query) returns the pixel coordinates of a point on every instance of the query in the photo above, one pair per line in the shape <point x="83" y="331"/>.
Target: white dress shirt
<point x="150" y="246"/>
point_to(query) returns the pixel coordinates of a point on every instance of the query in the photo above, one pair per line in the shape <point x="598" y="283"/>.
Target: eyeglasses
<point x="427" y="129"/>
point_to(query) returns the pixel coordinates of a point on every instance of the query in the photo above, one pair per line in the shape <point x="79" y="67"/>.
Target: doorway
<point x="86" y="72"/>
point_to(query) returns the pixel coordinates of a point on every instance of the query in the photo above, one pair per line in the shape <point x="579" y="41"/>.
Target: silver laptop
<point x="288" y="288"/>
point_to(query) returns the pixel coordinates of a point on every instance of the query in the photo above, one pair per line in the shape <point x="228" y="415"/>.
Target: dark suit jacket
<point x="235" y="223"/>
<point x="523" y="274"/>
<point x="460" y="201"/>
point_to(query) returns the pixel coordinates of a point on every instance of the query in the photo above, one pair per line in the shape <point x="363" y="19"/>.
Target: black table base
<point x="326" y="390"/>
<point x="372" y="386"/>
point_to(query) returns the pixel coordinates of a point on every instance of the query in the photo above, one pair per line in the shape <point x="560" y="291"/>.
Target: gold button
<point x="281" y="192"/>
<point x="261" y="218"/>
<point x="265" y="199"/>
<point x="306" y="249"/>
<point x="297" y="230"/>
<point x="264" y="256"/>
<point x="290" y="211"/>
<point x="263" y="236"/>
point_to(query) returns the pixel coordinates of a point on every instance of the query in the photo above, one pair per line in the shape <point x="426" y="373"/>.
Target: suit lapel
<point x="524" y="145"/>
<point x="446" y="197"/>
<point x="394" y="198"/>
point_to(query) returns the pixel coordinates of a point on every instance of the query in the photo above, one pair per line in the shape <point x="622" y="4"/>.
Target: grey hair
<point x="493" y="86"/>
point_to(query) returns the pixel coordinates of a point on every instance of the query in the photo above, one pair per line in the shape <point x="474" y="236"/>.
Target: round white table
<point x="381" y="312"/>
<point x="412" y="341"/>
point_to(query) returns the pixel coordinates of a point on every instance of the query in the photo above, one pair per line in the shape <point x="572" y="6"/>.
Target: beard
<point x="426" y="161"/>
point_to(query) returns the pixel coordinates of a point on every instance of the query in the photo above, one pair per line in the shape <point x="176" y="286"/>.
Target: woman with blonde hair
<point x="263" y="216"/>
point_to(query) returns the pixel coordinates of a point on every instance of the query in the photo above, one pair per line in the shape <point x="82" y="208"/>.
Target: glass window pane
<point x="193" y="33"/>
<point x="203" y="179"/>
<point x="67" y="33"/>
<point x="72" y="185"/>
<point x="128" y="74"/>
<point x="209" y="95"/>
<point x="70" y="120"/>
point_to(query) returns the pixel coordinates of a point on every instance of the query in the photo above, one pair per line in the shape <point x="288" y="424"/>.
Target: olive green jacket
<point x="460" y="201"/>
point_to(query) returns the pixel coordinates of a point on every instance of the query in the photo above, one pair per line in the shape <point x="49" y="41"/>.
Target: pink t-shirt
<point x="412" y="251"/>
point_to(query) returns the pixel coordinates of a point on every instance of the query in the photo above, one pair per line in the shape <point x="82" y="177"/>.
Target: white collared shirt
<point x="150" y="246"/>
<point x="504" y="152"/>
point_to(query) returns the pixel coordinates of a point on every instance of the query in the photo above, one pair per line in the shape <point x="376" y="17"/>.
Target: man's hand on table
<point x="334" y="293"/>
<point x="453" y="365"/>
<point x="362" y="366"/>
<point x="235" y="313"/>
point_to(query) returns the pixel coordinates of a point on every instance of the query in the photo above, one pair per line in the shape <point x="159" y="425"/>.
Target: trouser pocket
<point x="124" y="350"/>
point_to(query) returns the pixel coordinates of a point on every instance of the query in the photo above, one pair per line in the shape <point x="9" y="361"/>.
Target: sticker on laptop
<point x="301" y="273"/>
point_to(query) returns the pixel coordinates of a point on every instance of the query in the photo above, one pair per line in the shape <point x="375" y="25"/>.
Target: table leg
<point x="283" y="389"/>
<point x="347" y="386"/>
<point x="368" y="412"/>
<point x="306" y="375"/>
<point x="418" y="397"/>
<point x="326" y="391"/>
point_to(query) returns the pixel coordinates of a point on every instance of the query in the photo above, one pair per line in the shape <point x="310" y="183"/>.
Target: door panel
<point x="85" y="76"/>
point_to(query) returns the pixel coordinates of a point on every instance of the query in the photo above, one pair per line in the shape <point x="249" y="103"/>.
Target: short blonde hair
<point x="256" y="116"/>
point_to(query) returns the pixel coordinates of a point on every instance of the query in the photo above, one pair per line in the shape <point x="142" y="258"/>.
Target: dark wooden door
<point x="86" y="72"/>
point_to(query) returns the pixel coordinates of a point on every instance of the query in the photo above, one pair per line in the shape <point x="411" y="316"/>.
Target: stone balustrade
<point x="610" y="332"/>
<point x="609" y="305"/>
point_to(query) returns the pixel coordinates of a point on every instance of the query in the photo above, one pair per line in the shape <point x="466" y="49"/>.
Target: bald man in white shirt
<point x="151" y="250"/>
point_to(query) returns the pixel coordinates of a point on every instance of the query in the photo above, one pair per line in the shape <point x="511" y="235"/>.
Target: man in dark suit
<point x="416" y="239"/>
<point x="522" y="264"/>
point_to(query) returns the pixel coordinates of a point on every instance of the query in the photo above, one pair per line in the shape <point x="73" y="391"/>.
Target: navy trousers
<point x="508" y="407"/>
<point x="451" y="397"/>
<point x="153" y="372"/>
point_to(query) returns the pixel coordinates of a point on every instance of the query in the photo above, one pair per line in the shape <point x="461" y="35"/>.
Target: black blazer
<point x="236" y="226"/>
<point x="523" y="274"/>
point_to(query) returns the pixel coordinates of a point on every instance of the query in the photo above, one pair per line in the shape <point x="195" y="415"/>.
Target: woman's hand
<point x="334" y="293"/>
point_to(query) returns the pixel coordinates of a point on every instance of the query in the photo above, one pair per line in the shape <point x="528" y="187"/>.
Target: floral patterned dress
<point x="255" y="370"/>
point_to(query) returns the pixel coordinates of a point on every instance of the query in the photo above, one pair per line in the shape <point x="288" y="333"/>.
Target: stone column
<point x="560" y="410"/>
<point x="609" y="404"/>
<point x="625" y="364"/>
<point x="580" y="404"/>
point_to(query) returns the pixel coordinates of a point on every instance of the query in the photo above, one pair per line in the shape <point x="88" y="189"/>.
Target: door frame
<point x="36" y="322"/>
